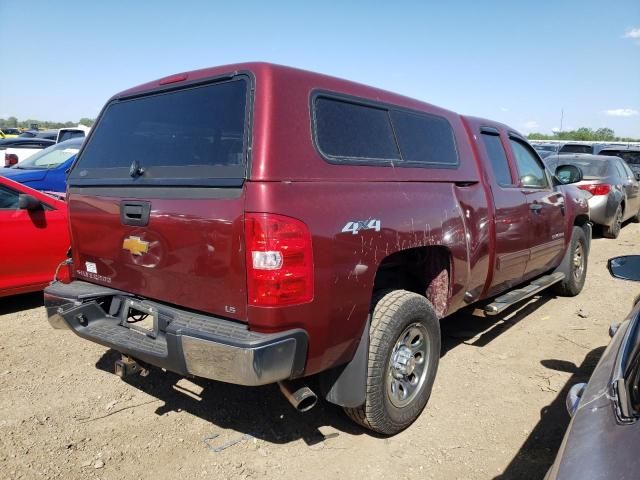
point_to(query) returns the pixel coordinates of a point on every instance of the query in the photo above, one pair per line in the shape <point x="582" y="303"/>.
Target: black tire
<point x="578" y="261"/>
<point x="399" y="313"/>
<point x="614" y="230"/>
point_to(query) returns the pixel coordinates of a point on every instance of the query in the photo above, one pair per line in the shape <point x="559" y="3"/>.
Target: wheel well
<point x="580" y="220"/>
<point x="423" y="270"/>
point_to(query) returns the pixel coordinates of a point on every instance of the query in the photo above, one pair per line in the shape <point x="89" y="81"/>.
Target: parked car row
<point x="613" y="188"/>
<point x="593" y="148"/>
<point x="23" y="146"/>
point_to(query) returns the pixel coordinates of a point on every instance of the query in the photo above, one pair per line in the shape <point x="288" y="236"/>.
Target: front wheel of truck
<point x="577" y="267"/>
<point x="404" y="351"/>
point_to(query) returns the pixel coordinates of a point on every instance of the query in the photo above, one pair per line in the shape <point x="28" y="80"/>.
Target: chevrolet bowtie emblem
<point x="135" y="245"/>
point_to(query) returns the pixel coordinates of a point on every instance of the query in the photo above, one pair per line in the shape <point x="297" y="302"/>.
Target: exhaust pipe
<point x="299" y="395"/>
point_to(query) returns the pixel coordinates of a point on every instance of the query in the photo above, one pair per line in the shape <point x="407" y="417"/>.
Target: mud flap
<point x="346" y="385"/>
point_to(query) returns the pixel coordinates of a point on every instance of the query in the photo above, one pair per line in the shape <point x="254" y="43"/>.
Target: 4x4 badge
<point x="356" y="226"/>
<point x="135" y="245"/>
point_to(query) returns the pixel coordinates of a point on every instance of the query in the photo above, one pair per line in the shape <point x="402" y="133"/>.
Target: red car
<point x="34" y="238"/>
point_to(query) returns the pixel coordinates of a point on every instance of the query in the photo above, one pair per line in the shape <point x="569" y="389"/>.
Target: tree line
<point x="13" y="122"/>
<point x="585" y="134"/>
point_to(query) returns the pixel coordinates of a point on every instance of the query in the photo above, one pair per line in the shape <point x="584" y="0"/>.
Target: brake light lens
<point x="10" y="159"/>
<point x="596" y="188"/>
<point x="178" y="77"/>
<point x="279" y="260"/>
<point x="64" y="272"/>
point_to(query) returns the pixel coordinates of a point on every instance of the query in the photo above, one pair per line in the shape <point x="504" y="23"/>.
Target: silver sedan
<point x="614" y="189"/>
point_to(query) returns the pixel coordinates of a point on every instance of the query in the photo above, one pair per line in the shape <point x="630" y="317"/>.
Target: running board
<point x="509" y="299"/>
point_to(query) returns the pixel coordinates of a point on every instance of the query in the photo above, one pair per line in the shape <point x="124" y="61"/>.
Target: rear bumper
<point x="181" y="341"/>
<point x="602" y="209"/>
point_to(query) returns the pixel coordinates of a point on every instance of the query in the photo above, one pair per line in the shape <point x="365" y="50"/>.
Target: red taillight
<point x="10" y="159"/>
<point x="596" y="188"/>
<point x="279" y="260"/>
<point x="64" y="272"/>
<point x="179" y="77"/>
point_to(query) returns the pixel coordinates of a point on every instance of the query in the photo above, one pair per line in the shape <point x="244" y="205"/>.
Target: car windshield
<point x="51" y="157"/>
<point x="631" y="157"/>
<point x="590" y="168"/>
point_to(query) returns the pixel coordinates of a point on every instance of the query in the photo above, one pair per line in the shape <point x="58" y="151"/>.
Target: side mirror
<point x="626" y="267"/>
<point x="27" y="202"/>
<point x="637" y="175"/>
<point x="567" y="174"/>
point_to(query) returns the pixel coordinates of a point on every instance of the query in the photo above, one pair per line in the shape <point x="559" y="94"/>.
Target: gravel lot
<point x="497" y="408"/>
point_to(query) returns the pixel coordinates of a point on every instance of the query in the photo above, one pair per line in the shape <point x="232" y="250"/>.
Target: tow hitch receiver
<point x="127" y="366"/>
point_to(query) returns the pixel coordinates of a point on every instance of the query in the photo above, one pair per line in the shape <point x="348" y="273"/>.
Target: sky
<point x="522" y="63"/>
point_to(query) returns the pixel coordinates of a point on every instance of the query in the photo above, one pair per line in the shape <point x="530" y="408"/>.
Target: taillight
<point x="64" y="272"/>
<point x="10" y="159"/>
<point x="279" y="260"/>
<point x="596" y="188"/>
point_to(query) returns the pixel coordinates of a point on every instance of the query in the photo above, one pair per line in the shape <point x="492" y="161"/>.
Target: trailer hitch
<point x="127" y="367"/>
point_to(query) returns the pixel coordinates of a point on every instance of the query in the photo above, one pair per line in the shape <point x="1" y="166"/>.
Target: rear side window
<point x="569" y="148"/>
<point x="352" y="132"/>
<point x="424" y="138"/>
<point x="620" y="169"/>
<point x="195" y="133"/>
<point x="498" y="158"/>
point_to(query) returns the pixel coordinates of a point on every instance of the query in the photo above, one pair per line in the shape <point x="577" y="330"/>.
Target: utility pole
<point x="561" y="117"/>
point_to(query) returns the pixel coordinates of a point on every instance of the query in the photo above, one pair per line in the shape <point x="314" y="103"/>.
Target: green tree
<point x="87" y="122"/>
<point x="605" y="134"/>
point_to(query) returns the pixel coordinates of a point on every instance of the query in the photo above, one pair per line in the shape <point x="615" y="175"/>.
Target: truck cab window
<point x="532" y="174"/>
<point x="498" y="158"/>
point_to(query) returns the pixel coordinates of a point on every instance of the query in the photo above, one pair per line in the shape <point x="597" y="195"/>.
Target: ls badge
<point x="135" y="245"/>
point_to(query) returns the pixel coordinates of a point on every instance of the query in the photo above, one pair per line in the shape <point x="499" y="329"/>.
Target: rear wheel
<point x="574" y="280"/>
<point x="614" y="230"/>
<point x="404" y="352"/>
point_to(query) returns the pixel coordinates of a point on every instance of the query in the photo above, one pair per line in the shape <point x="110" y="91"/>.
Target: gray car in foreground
<point x="614" y="188"/>
<point x="603" y="438"/>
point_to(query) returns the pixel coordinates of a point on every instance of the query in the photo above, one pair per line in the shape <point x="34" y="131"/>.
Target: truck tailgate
<point x="190" y="253"/>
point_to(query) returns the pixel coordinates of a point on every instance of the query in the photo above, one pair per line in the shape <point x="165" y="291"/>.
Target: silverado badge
<point x="135" y="245"/>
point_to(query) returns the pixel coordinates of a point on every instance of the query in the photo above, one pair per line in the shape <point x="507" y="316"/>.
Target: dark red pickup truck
<point x="255" y="224"/>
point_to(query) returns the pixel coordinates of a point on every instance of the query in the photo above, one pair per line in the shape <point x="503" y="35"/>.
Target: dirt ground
<point x="497" y="409"/>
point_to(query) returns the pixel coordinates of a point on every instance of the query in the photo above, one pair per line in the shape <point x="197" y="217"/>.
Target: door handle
<point x="535" y="207"/>
<point x="135" y="213"/>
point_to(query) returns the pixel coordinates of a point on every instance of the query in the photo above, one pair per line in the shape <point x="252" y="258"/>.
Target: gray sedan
<point x="603" y="436"/>
<point x="614" y="189"/>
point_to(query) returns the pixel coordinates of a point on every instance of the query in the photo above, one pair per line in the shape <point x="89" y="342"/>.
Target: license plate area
<point x="139" y="317"/>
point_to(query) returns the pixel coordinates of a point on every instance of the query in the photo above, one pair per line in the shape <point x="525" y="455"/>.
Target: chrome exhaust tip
<point x="300" y="396"/>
